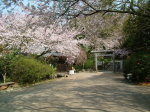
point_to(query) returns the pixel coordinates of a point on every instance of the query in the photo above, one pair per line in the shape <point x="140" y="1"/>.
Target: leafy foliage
<point x="86" y="60"/>
<point x="6" y="62"/>
<point x="137" y="32"/>
<point x="89" y="64"/>
<point x="139" y="66"/>
<point x="28" y="70"/>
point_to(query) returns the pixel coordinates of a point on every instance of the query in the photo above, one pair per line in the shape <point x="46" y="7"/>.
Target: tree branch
<point x="68" y="8"/>
<point x="131" y="9"/>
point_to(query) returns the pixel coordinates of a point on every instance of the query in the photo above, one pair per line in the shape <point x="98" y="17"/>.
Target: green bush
<point x="78" y="67"/>
<point x="89" y="64"/>
<point x="6" y="64"/>
<point x="139" y="66"/>
<point x="27" y="70"/>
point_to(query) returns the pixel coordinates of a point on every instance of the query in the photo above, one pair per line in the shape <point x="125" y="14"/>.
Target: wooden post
<point x="96" y="68"/>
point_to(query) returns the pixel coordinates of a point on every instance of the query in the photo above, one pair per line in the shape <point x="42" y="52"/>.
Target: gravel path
<point x="83" y="92"/>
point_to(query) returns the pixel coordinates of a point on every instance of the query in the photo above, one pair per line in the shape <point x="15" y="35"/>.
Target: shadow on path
<point x="104" y="92"/>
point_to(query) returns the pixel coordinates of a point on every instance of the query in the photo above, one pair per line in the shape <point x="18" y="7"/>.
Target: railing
<point x="109" y="66"/>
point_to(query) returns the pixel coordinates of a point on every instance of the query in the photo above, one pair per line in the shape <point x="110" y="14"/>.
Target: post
<point x="114" y="62"/>
<point x="4" y="77"/>
<point x="121" y="65"/>
<point x="96" y="62"/>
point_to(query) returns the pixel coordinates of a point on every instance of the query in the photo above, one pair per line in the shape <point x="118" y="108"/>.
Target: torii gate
<point x="108" y="53"/>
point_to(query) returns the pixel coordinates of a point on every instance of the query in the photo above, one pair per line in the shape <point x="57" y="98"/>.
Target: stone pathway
<point x="83" y="92"/>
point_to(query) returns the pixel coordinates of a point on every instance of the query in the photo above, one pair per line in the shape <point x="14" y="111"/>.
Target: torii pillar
<point x="96" y="67"/>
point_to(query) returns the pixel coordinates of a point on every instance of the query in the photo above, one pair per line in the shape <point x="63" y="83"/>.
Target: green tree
<point x="137" y="32"/>
<point x="137" y="39"/>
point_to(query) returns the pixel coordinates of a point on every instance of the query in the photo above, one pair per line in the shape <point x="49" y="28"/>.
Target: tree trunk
<point x="4" y="77"/>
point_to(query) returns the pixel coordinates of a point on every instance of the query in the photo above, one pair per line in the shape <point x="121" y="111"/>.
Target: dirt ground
<point x="82" y="92"/>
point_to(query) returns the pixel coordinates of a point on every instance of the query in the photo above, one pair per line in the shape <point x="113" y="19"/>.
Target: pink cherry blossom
<point x="24" y="33"/>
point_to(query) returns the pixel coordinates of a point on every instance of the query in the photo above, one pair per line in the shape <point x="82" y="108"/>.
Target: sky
<point x="15" y="7"/>
<point x="19" y="9"/>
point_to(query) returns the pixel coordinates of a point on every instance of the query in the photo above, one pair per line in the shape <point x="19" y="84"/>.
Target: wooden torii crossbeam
<point x="108" y="53"/>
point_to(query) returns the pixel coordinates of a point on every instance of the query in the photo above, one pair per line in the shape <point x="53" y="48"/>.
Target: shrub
<point x="89" y="64"/>
<point x="5" y="67"/>
<point x="28" y="70"/>
<point x="78" y="67"/>
<point x="139" y="66"/>
<point x="6" y="60"/>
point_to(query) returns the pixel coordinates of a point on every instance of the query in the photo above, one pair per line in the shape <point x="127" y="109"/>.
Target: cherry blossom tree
<point x="23" y="32"/>
<point x="122" y="52"/>
<point x="75" y="8"/>
<point x="101" y="31"/>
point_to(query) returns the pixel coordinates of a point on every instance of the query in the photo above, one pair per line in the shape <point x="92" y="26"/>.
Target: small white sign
<point x="71" y="72"/>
